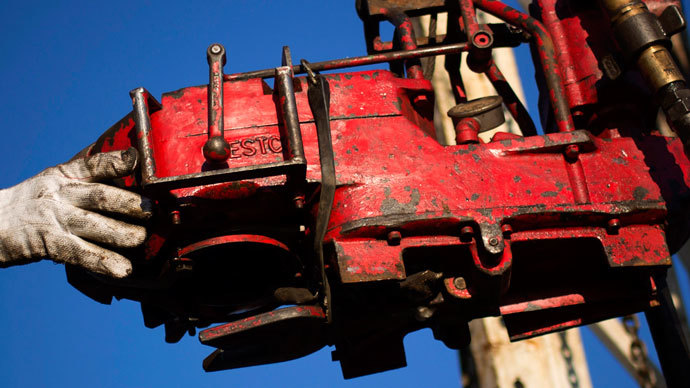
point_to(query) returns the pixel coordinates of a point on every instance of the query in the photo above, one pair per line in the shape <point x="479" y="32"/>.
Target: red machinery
<point x="320" y="210"/>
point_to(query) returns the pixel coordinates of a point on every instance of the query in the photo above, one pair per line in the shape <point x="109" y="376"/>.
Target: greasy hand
<point x="62" y="214"/>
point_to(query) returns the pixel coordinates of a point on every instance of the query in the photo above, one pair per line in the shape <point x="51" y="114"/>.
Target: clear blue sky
<point x="66" y="70"/>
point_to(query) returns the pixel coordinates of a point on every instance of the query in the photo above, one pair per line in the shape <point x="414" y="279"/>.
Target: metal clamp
<point x="294" y="167"/>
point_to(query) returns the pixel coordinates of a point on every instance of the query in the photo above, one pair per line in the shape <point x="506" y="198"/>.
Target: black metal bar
<point x="225" y="175"/>
<point x="319" y="102"/>
<point x="357" y="61"/>
<point x="669" y="339"/>
<point x="216" y="149"/>
<point x="288" y="106"/>
<point x="143" y="103"/>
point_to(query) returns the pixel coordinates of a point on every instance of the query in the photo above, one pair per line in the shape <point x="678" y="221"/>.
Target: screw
<point x="493" y="241"/>
<point x="216" y="49"/>
<point x="460" y="283"/>
<point x="394" y="238"/>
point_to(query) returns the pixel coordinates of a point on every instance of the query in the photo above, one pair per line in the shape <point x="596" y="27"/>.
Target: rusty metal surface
<point x="548" y="231"/>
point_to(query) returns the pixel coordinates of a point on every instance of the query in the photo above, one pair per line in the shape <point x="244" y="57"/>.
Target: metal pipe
<point x="547" y="56"/>
<point x="407" y="39"/>
<point x="343" y="63"/>
<point x="216" y="149"/>
<point x="288" y="106"/>
<point x="669" y="339"/>
<point x="644" y="42"/>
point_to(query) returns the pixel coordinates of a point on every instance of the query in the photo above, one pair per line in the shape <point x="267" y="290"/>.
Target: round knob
<point x="216" y="149"/>
<point x="488" y="111"/>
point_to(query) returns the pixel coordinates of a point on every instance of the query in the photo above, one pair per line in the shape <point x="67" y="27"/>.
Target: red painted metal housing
<point x="548" y="231"/>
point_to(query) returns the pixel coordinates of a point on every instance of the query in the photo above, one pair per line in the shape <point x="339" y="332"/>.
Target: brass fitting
<point x="658" y="67"/>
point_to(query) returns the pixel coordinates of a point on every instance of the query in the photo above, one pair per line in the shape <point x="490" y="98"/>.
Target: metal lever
<point x="216" y="150"/>
<point x="319" y="101"/>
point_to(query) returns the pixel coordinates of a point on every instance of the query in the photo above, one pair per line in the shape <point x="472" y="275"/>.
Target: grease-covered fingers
<point x="109" y="199"/>
<point x="99" y="167"/>
<point x="74" y="250"/>
<point x="100" y="229"/>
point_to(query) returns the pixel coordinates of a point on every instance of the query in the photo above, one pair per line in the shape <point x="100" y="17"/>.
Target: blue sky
<point x="67" y="68"/>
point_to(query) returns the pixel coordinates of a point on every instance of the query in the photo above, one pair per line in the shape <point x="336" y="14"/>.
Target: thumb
<point x="100" y="166"/>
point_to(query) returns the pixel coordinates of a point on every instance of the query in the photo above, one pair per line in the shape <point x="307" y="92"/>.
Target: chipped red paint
<point x="467" y="131"/>
<point x="549" y="231"/>
<point x="547" y="56"/>
<point x="541" y="304"/>
<point x="231" y="239"/>
<point x="406" y="38"/>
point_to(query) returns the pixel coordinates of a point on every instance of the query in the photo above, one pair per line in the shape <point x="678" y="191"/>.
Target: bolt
<point x="467" y="232"/>
<point x="482" y="39"/>
<point x="460" y="283"/>
<point x="572" y="152"/>
<point x="394" y="238"/>
<point x="507" y="230"/>
<point x="298" y="201"/>
<point x="175" y="217"/>
<point x="216" y="49"/>
<point x="493" y="241"/>
<point x="614" y="225"/>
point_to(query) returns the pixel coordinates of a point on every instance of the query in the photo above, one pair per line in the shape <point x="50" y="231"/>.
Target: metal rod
<point x="357" y="61"/>
<point x="216" y="149"/>
<point x="407" y="40"/>
<point x="141" y="99"/>
<point x="669" y="340"/>
<point x="288" y="106"/>
<point x="547" y="57"/>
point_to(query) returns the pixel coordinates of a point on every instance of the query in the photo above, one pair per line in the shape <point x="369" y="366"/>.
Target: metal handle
<point x="216" y="149"/>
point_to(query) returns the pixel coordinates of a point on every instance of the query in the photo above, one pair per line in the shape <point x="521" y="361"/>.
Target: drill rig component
<point x="643" y="40"/>
<point x="216" y="149"/>
<point x="338" y="219"/>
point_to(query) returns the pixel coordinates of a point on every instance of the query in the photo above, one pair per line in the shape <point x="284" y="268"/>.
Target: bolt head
<point x="613" y="225"/>
<point x="482" y="40"/>
<point x="493" y="241"/>
<point x="466" y="233"/>
<point x="460" y="283"/>
<point x="394" y="238"/>
<point x="216" y="49"/>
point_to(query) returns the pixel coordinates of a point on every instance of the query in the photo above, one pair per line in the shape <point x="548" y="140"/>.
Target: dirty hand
<point x="59" y="214"/>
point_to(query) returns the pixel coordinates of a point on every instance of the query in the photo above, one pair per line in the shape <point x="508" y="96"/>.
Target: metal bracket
<point x="294" y="167"/>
